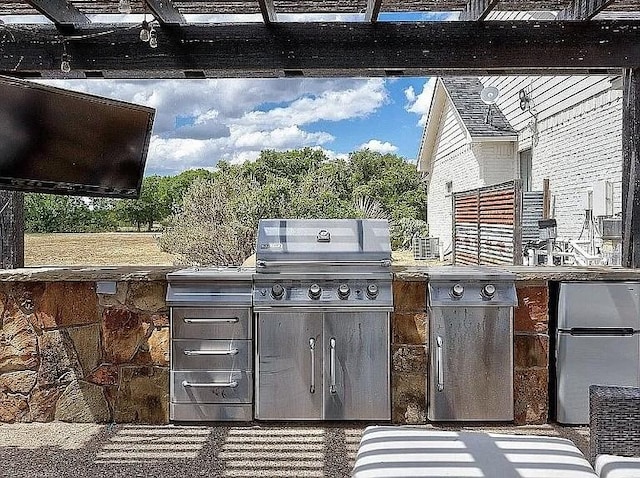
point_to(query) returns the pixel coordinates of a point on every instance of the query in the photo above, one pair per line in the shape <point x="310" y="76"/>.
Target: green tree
<point x="154" y="203"/>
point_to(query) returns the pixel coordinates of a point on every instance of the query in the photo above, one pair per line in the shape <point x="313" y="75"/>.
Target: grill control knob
<point x="315" y="291"/>
<point x="277" y="291"/>
<point x="372" y="291"/>
<point x="457" y="291"/>
<point x="343" y="291"/>
<point x="488" y="291"/>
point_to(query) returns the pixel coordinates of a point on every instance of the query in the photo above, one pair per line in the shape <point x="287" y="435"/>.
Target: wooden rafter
<point x="477" y="10"/>
<point x="60" y="12"/>
<point x="268" y="10"/>
<point x="373" y="10"/>
<point x="583" y="9"/>
<point x="333" y="49"/>
<point x="165" y="12"/>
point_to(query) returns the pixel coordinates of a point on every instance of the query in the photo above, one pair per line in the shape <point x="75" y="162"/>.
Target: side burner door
<point x="289" y="366"/>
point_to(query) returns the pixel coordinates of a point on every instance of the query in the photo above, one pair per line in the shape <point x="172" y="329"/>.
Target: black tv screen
<point x="63" y="142"/>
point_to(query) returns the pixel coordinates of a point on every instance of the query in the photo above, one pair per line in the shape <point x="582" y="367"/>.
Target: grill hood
<point x="322" y="244"/>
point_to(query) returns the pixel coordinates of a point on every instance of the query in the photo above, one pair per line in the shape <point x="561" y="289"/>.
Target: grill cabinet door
<point x="356" y="379"/>
<point x="289" y="366"/>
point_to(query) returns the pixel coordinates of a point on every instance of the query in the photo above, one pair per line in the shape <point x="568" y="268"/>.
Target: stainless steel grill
<point x="322" y="297"/>
<point x="471" y="343"/>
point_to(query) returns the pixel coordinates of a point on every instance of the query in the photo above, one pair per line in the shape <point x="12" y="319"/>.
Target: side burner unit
<point x="322" y="298"/>
<point x="211" y="344"/>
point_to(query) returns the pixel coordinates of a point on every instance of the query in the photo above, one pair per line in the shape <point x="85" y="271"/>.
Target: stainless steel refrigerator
<point x="597" y="342"/>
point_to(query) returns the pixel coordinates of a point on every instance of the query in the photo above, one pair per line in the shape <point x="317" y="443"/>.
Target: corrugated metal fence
<point x="532" y="207"/>
<point x="487" y="227"/>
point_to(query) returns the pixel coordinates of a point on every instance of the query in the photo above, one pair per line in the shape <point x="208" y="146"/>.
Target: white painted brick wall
<point x="575" y="149"/>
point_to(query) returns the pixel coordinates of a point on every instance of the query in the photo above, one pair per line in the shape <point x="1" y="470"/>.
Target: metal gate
<point x="487" y="226"/>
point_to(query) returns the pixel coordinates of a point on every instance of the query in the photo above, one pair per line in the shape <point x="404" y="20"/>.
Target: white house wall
<point x="453" y="160"/>
<point x="467" y="166"/>
<point x="575" y="138"/>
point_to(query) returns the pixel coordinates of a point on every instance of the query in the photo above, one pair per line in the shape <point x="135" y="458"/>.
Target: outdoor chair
<point x="614" y="415"/>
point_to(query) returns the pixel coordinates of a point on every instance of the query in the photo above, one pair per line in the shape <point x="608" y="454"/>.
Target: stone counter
<point x="69" y="352"/>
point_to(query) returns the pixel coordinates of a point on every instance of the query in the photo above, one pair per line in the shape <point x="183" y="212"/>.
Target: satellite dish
<point x="489" y="95"/>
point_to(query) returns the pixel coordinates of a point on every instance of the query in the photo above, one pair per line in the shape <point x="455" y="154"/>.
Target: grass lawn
<point x="116" y="249"/>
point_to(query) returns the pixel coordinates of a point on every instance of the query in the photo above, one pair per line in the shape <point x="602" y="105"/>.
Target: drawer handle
<point x="233" y="384"/>
<point x="229" y="320"/>
<point x="211" y="352"/>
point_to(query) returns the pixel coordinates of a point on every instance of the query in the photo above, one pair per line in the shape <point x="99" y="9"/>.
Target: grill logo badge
<point x="271" y="245"/>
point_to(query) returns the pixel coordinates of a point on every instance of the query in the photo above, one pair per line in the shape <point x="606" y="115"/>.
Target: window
<point x="525" y="169"/>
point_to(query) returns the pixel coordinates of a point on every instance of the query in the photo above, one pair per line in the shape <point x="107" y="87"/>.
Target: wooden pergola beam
<point x="165" y="12"/>
<point x="583" y="9"/>
<point x="60" y="12"/>
<point x="372" y="11"/>
<point x="330" y="49"/>
<point x="268" y="10"/>
<point x="631" y="169"/>
<point x="477" y="10"/>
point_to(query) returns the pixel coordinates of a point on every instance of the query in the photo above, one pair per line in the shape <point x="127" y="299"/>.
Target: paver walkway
<point x="87" y="450"/>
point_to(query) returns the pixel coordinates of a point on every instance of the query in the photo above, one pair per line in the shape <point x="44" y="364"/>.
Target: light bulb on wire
<point x="153" y="38"/>
<point x="145" y="34"/>
<point x="65" y="65"/>
<point x="124" y="6"/>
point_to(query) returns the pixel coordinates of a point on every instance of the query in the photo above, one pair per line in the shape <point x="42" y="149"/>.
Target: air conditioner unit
<point x="611" y="228"/>
<point x="426" y="248"/>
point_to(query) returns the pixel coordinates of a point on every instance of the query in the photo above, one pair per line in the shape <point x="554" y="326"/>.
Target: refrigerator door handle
<point x="439" y="367"/>
<point x="608" y="331"/>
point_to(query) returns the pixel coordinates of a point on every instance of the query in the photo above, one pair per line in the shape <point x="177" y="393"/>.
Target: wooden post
<point x="517" y="221"/>
<point x="631" y="169"/>
<point x="11" y="229"/>
<point x="546" y="199"/>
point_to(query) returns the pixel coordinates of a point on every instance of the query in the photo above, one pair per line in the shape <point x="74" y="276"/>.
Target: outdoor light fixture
<point x="124" y="6"/>
<point x="145" y="34"/>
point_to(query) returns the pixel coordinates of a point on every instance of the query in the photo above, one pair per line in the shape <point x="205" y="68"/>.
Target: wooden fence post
<point x="631" y="169"/>
<point x="11" y="229"/>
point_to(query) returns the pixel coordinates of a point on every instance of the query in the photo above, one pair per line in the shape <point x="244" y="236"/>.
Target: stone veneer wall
<point x="68" y="353"/>
<point x="410" y="345"/>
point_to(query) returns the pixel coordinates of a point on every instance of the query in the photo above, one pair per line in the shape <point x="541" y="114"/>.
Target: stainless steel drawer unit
<point x="211" y="344"/>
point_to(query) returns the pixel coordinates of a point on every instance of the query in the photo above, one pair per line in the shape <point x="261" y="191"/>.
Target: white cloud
<point x="421" y="103"/>
<point x="379" y="146"/>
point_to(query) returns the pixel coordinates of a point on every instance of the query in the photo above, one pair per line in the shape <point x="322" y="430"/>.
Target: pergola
<point x="212" y="39"/>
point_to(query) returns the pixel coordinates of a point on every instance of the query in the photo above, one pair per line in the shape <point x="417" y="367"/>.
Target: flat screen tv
<point x="63" y="142"/>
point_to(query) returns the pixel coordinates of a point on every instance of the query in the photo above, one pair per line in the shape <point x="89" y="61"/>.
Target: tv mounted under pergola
<point x="64" y="142"/>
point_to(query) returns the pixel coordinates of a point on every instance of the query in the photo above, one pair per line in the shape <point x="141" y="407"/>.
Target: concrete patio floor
<point x="258" y="450"/>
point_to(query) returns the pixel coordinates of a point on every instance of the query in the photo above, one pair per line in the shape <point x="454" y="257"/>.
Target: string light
<point x="145" y="34"/>
<point x="65" y="65"/>
<point x="124" y="6"/>
<point x="153" y="38"/>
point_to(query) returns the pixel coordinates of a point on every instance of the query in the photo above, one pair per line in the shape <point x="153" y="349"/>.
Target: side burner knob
<point x="315" y="291"/>
<point x="457" y="291"/>
<point x="343" y="291"/>
<point x="372" y="291"/>
<point x="277" y="291"/>
<point x="488" y="291"/>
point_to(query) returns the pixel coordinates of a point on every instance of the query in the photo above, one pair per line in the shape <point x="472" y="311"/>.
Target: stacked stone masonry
<point x="68" y="353"/>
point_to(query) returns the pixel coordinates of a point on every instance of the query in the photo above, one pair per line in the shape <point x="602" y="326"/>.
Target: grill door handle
<point x="439" y="366"/>
<point x="312" y="351"/>
<point x="212" y="320"/>
<point x="211" y="352"/>
<point x="233" y="384"/>
<point x="332" y="365"/>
